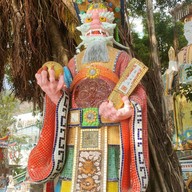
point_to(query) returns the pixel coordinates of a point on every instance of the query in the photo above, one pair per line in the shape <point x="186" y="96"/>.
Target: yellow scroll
<point x="128" y="81"/>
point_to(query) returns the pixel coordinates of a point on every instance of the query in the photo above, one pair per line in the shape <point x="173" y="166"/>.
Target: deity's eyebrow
<point x="85" y="16"/>
<point x="109" y="15"/>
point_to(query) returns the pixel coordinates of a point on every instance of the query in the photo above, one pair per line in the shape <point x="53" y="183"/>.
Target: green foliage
<point x="137" y="8"/>
<point x="8" y="104"/>
<point x="162" y="4"/>
<point x="189" y="89"/>
<point x="16" y="149"/>
<point x="164" y="33"/>
<point x="189" y="71"/>
<point x="186" y="89"/>
<point x="182" y="42"/>
<point x="18" y="170"/>
<point x="39" y="123"/>
<point x="164" y="29"/>
<point x="141" y="48"/>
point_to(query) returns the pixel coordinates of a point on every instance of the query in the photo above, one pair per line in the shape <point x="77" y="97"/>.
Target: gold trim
<point x="74" y="117"/>
<point x="105" y="160"/>
<point x="130" y="78"/>
<point x="71" y="135"/>
<point x="75" y="159"/>
<point x="113" y="135"/>
<point x="88" y="140"/>
<point x="112" y="186"/>
<point x="102" y="71"/>
<point x="184" y="56"/>
<point x="188" y="182"/>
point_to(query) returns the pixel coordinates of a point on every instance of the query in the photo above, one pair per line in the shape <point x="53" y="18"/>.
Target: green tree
<point x="141" y="47"/>
<point x="8" y="105"/>
<point x="156" y="56"/>
<point x="164" y="27"/>
<point x="15" y="150"/>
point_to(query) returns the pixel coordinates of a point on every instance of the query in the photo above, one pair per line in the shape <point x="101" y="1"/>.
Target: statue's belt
<point x="87" y="118"/>
<point x="90" y="135"/>
<point x="90" y="142"/>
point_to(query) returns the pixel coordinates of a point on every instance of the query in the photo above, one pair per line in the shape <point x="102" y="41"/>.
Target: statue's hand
<point x="107" y="110"/>
<point x="171" y="54"/>
<point x="52" y="87"/>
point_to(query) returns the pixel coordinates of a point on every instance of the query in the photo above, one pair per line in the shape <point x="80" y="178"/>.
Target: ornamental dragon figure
<point x="87" y="144"/>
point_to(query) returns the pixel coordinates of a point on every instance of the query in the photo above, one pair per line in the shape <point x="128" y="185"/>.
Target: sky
<point x="6" y="85"/>
<point x="137" y="25"/>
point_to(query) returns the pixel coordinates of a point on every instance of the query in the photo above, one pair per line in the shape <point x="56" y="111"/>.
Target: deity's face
<point x="97" y="25"/>
<point x="188" y="31"/>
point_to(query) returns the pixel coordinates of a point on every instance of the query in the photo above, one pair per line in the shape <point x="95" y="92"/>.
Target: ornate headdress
<point x="116" y="6"/>
<point x="100" y="5"/>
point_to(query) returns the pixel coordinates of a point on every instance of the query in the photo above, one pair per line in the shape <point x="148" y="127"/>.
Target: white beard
<point x="188" y="32"/>
<point x="96" y="52"/>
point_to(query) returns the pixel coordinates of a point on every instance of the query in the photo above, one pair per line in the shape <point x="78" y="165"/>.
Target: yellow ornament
<point x="93" y="72"/>
<point x="55" y="66"/>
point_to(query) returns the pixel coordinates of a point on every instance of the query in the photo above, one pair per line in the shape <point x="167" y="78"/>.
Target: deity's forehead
<point x="188" y="18"/>
<point x="96" y="13"/>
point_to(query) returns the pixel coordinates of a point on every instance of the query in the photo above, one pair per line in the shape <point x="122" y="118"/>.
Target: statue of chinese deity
<point x="89" y="143"/>
<point x="178" y="64"/>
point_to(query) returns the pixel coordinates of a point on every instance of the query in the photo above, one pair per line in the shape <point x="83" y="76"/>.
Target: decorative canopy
<point x="181" y="11"/>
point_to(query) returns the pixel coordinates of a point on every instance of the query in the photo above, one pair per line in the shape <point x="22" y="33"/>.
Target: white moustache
<point x="88" y="39"/>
